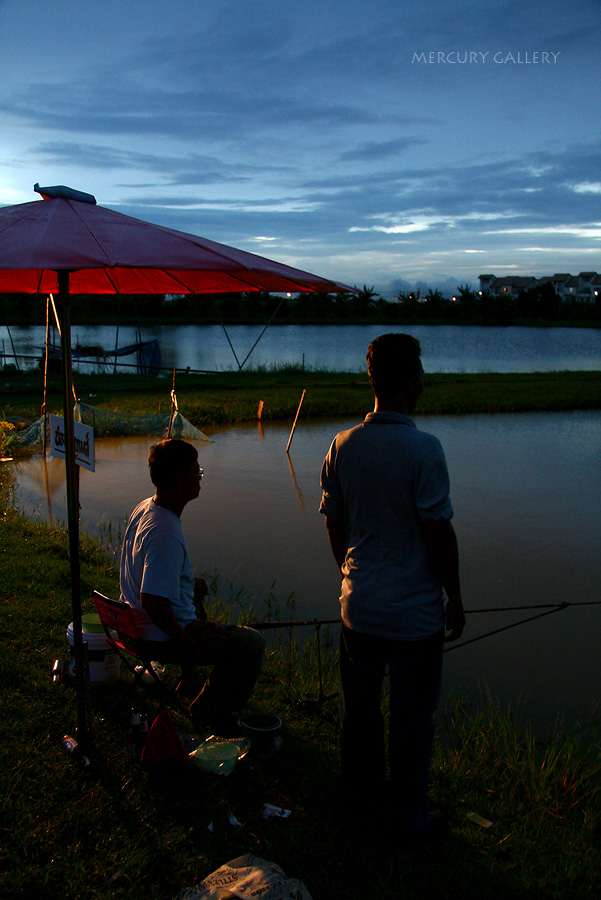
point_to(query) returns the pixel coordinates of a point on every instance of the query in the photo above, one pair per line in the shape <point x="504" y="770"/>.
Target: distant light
<point x="289" y="295"/>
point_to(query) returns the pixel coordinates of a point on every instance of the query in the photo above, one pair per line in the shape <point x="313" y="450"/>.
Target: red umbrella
<point x="106" y="252"/>
<point x="66" y="244"/>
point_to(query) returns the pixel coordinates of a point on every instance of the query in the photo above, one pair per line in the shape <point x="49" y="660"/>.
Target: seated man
<point x="157" y="580"/>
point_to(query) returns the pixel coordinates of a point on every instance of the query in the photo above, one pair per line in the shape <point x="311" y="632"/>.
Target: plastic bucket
<point x="104" y="664"/>
<point x="263" y="729"/>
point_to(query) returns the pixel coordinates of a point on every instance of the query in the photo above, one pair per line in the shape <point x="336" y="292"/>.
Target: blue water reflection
<point x="446" y="348"/>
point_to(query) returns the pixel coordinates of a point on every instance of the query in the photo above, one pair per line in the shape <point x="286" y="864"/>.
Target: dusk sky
<point x="369" y="141"/>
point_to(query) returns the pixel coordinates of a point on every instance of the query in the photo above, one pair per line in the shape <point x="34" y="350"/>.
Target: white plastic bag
<point x="246" y="878"/>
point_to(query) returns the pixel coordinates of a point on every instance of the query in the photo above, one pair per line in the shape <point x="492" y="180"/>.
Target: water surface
<point x="526" y="490"/>
<point x="446" y="348"/>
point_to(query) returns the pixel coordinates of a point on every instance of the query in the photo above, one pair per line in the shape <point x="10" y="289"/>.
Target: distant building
<point x="585" y="287"/>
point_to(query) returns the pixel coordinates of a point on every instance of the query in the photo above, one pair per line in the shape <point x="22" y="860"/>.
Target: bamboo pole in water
<point x="295" y="419"/>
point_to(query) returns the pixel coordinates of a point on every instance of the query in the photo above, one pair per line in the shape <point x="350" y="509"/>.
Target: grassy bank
<point x="231" y="397"/>
<point x="130" y="833"/>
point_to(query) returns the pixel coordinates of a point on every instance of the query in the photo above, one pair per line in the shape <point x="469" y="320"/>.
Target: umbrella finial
<point x="65" y="193"/>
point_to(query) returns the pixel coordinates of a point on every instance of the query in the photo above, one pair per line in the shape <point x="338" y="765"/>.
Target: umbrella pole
<point x="72" y="508"/>
<point x="44" y="416"/>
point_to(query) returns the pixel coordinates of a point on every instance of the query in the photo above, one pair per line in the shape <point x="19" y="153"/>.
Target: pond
<point x="527" y="496"/>
<point x="446" y="348"/>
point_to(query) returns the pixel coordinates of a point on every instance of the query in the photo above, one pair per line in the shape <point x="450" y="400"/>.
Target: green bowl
<point x="91" y="624"/>
<point x="217" y="758"/>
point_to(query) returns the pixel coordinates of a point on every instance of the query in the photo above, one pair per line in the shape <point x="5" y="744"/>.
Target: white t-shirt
<point x="155" y="560"/>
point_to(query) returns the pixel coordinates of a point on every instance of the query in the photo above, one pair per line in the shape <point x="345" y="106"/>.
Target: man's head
<point x="394" y="368"/>
<point x="171" y="461"/>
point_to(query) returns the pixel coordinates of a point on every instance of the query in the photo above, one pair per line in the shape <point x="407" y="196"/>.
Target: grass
<point x="131" y="833"/>
<point x="233" y="397"/>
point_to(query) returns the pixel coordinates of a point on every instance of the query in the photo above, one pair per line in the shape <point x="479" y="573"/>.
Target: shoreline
<point x="233" y="397"/>
<point x="89" y="319"/>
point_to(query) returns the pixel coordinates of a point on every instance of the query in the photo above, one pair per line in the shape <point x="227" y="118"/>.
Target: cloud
<point x="587" y="187"/>
<point x="309" y="123"/>
<point x="370" y="151"/>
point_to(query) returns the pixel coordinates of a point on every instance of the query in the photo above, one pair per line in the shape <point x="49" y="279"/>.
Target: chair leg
<point x="165" y="696"/>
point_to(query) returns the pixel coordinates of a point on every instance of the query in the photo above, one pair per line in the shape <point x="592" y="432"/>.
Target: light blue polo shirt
<point x="382" y="478"/>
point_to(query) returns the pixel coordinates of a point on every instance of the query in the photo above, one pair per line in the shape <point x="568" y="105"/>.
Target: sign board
<point x="84" y="441"/>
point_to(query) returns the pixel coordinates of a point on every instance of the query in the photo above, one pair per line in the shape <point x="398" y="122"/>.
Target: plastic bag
<point x="246" y="878"/>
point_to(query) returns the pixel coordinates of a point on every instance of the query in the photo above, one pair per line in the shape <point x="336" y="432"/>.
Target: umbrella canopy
<point x="109" y="253"/>
<point x="66" y="244"/>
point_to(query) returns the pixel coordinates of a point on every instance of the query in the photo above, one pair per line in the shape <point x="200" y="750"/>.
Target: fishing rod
<point x="549" y="608"/>
<point x="295" y="623"/>
<point x="561" y="605"/>
<point x="317" y="623"/>
<point x="556" y="608"/>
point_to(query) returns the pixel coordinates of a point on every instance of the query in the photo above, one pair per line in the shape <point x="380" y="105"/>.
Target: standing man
<point x="387" y="507"/>
<point x="157" y="580"/>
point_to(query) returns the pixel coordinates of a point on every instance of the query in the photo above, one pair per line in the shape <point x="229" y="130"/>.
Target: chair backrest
<point x="118" y="615"/>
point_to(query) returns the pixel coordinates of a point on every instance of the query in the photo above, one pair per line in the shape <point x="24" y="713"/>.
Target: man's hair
<point x="391" y="360"/>
<point x="168" y="459"/>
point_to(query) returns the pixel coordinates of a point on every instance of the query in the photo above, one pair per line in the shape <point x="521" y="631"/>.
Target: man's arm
<point x="198" y="631"/>
<point x="161" y="614"/>
<point x="443" y="552"/>
<point x="337" y="536"/>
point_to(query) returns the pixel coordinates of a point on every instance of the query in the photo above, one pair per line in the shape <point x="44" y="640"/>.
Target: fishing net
<point x="109" y="423"/>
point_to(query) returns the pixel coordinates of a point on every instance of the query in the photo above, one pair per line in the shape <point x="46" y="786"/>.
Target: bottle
<point x="57" y="671"/>
<point x="71" y="747"/>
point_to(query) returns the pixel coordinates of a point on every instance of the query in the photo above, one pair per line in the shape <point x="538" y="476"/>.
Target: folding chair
<point x="117" y="616"/>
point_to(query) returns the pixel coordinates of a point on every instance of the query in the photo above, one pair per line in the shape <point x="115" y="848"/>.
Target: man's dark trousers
<point x="415" y="670"/>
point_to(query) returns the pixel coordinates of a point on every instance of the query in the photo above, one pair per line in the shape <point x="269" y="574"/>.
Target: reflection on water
<point x="446" y="348"/>
<point x="526" y="491"/>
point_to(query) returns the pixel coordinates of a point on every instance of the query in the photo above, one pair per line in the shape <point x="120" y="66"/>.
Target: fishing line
<point x="552" y="607"/>
<point x="535" y="606"/>
<point x="556" y="608"/>
<point x="549" y="608"/>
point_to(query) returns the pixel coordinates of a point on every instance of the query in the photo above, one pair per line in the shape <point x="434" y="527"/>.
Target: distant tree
<point x="310" y="305"/>
<point x="436" y="297"/>
<point x="409" y="304"/>
<point x="497" y="310"/>
<point x="228" y="306"/>
<point x="342" y="304"/>
<point x="549" y="302"/>
<point x="469" y="301"/>
<point x="539" y="303"/>
<point x="365" y="300"/>
<point x="437" y="304"/>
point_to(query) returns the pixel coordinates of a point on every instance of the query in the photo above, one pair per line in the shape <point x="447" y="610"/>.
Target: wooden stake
<point x="296" y="419"/>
